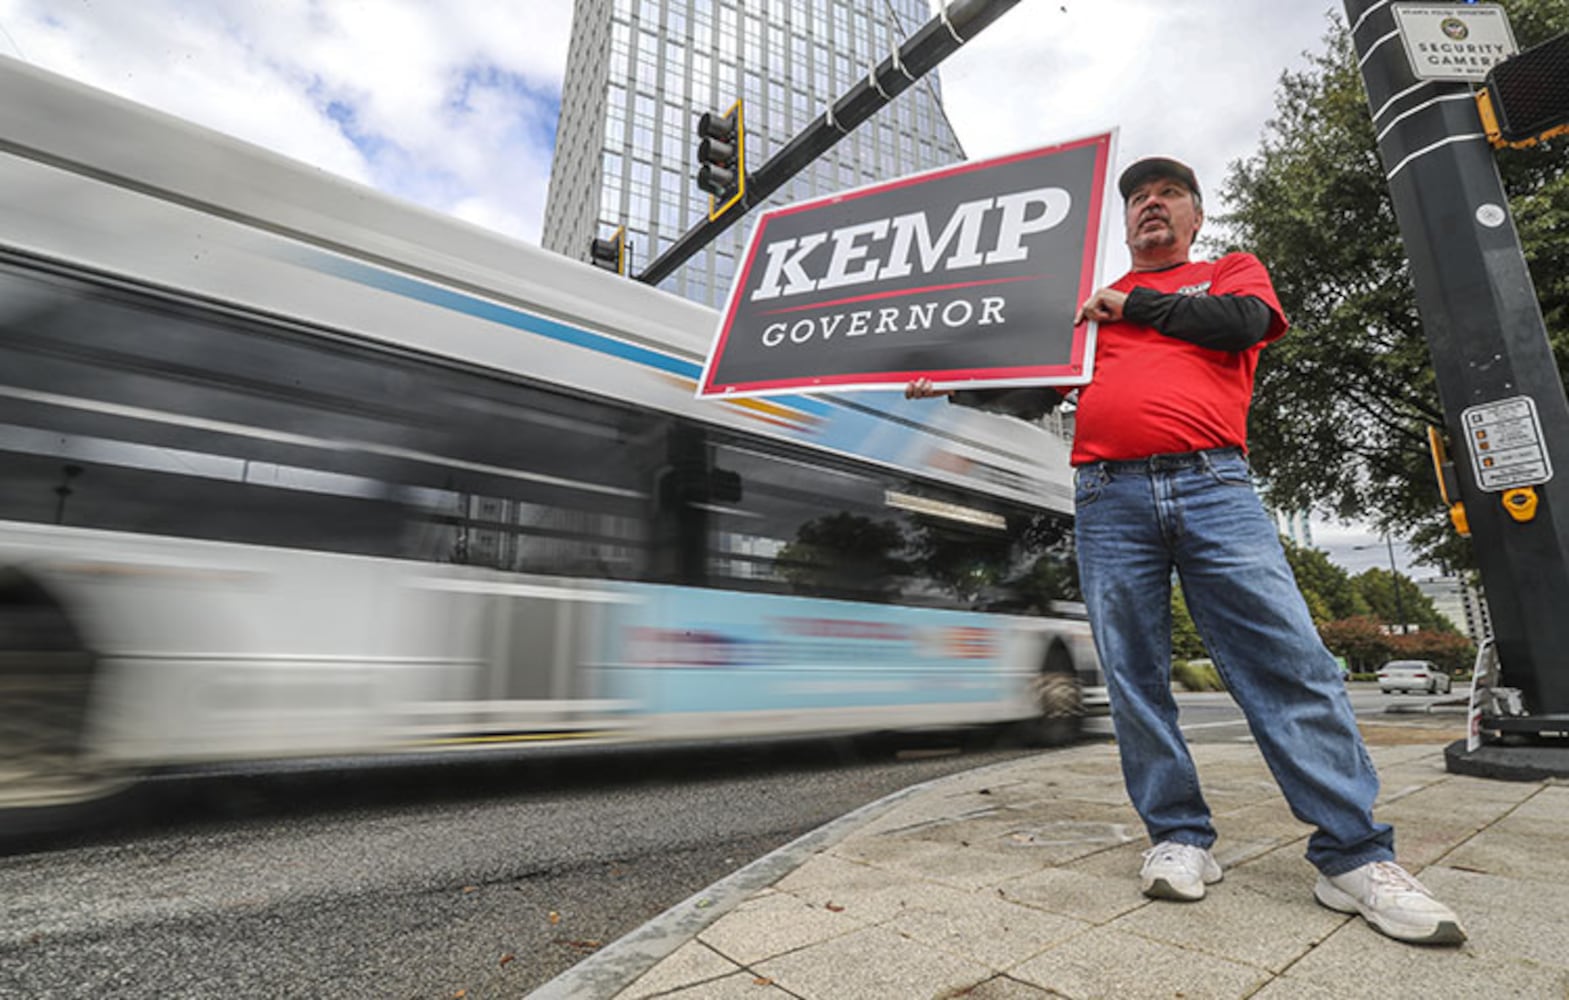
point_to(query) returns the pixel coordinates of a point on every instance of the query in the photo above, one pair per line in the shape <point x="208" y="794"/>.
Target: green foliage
<point x="1378" y="588"/>
<point x="1197" y="675"/>
<point x="1342" y="402"/>
<point x="1049" y="578"/>
<point x="845" y="555"/>
<point x="1043" y="545"/>
<point x="1185" y="641"/>
<point x="1366" y="646"/>
<point x="1360" y="640"/>
<point x="1450" y="650"/>
<point x="1327" y="588"/>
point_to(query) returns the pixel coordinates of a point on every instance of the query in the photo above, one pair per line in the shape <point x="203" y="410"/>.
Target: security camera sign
<point x="1457" y="42"/>
<point x="968" y="275"/>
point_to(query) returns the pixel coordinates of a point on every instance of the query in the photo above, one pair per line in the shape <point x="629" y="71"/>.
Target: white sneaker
<point x="1178" y="871"/>
<point x="1392" y="901"/>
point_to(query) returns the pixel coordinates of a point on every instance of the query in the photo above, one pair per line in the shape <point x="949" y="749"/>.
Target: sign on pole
<point x="1506" y="444"/>
<point x="967" y="275"/>
<point x="1455" y="42"/>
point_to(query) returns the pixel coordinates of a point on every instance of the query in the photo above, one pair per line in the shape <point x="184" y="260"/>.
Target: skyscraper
<point x="640" y="72"/>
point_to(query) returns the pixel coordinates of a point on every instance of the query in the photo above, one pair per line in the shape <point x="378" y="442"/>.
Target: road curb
<point x="617" y="965"/>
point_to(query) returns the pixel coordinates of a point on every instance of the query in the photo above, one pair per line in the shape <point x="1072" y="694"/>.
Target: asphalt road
<point x="433" y="882"/>
<point x="1211" y="717"/>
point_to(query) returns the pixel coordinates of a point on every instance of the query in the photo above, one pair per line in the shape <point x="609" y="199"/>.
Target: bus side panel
<point x="208" y="650"/>
<point x="704" y="662"/>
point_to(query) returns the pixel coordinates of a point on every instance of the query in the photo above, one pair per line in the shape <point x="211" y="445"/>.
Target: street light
<point x="1394" y="578"/>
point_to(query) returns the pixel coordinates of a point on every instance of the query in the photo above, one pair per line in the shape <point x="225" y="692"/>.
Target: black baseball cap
<point x="1157" y="166"/>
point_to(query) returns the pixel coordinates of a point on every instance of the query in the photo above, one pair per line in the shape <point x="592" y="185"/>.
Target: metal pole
<point x="935" y="41"/>
<point x="1394" y="579"/>
<point x="1488" y="343"/>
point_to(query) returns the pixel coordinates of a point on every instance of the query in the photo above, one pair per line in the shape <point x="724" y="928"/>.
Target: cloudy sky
<point x="453" y="103"/>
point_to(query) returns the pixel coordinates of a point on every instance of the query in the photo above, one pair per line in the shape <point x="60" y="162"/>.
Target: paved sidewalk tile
<point x="1094" y="899"/>
<point x="742" y="986"/>
<point x="872" y="964"/>
<point x="1501" y="918"/>
<point x="863" y="892"/>
<point x="1238" y="923"/>
<point x="1107" y="964"/>
<point x="773" y="923"/>
<point x="693" y="964"/>
<point x="984" y="927"/>
<point x="1512" y="847"/>
<point x="1019" y="882"/>
<point x="1357" y="961"/>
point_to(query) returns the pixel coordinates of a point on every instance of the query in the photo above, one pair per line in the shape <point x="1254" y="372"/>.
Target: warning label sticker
<point x="1506" y="446"/>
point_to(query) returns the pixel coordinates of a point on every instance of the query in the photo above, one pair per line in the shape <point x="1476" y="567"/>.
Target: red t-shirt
<point x="1152" y="394"/>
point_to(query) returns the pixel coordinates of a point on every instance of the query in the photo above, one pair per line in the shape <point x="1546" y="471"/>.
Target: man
<point x="1162" y="483"/>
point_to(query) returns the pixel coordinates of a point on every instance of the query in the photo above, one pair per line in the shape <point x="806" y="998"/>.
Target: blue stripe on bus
<point x="469" y="305"/>
<point x="446" y="298"/>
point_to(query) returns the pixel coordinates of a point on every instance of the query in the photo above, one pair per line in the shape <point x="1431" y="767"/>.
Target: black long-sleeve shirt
<point x="1218" y="322"/>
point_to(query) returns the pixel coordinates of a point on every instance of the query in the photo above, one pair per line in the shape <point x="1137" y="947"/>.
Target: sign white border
<point x="1474" y="415"/>
<point x="1110" y="197"/>
<point x="1420" y="23"/>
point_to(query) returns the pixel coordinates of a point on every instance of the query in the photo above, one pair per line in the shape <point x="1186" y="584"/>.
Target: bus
<point x="291" y="468"/>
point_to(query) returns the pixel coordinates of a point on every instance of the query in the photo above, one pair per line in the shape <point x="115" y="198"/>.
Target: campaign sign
<point x="967" y="275"/>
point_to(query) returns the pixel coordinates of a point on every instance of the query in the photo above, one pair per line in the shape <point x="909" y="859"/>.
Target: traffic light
<point x="610" y="254"/>
<point x="721" y="158"/>
<point x="1525" y="98"/>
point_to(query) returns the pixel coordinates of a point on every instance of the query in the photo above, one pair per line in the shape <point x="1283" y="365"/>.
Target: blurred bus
<point x="288" y="468"/>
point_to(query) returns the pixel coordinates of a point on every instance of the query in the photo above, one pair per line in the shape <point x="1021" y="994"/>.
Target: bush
<point x="1197" y="675"/>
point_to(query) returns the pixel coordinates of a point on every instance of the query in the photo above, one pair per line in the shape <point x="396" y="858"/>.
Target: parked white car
<point x="1412" y="675"/>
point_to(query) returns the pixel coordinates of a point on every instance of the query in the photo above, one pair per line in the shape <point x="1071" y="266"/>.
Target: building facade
<point x="641" y="72"/>
<point x="1460" y="602"/>
<point x="1296" y="525"/>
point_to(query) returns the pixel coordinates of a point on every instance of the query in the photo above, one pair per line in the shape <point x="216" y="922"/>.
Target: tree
<point x="1342" y="403"/>
<point x="1043" y="547"/>
<point x="1362" y="641"/>
<point x="1453" y="652"/>
<point x="845" y="555"/>
<point x="1185" y="641"/>
<point x="1327" y="588"/>
<point x="1378" y="587"/>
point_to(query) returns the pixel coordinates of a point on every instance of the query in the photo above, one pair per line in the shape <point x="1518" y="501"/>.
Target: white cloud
<point x="451" y="104"/>
<point x="1193" y="80"/>
<point x="1357" y="548"/>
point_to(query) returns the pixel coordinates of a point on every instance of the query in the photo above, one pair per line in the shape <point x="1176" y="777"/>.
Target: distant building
<point x="1295" y="525"/>
<point x="1459" y="602"/>
<point x="641" y="72"/>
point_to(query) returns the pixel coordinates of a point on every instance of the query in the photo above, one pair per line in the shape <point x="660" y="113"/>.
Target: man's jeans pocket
<point x="1089" y="481"/>
<point x="1229" y="470"/>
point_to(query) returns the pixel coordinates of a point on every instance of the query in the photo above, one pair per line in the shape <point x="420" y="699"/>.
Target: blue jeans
<point x="1198" y="513"/>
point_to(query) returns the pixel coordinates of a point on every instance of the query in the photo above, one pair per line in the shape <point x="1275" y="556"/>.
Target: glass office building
<point x="641" y="72"/>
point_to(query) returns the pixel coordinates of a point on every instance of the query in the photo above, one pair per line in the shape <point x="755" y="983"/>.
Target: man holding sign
<point x="1162" y="483"/>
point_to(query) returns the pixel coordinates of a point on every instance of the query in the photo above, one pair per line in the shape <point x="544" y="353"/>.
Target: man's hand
<point x="1105" y="306"/>
<point x="921" y="388"/>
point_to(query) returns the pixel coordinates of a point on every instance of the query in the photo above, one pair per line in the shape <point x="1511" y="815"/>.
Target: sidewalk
<point x="1018" y="881"/>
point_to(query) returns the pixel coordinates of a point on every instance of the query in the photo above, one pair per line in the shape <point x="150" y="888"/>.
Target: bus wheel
<point x="49" y="775"/>
<point x="1059" y="700"/>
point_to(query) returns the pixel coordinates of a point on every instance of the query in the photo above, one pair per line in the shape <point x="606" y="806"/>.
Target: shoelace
<point x="1390" y="876"/>
<point x="1162" y="853"/>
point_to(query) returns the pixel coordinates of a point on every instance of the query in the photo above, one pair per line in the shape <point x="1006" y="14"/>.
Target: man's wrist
<point x="1141" y="306"/>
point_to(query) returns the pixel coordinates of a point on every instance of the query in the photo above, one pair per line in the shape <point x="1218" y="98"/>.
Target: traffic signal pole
<point x="939" y="38"/>
<point x="1490" y="351"/>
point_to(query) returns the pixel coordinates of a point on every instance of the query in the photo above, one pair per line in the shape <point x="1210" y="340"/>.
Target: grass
<point x="1197" y="675"/>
